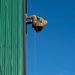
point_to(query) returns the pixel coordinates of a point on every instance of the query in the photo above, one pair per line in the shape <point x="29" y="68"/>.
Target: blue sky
<point x="54" y="46"/>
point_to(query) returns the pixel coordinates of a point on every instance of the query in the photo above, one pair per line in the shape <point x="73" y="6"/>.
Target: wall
<point x="11" y="37"/>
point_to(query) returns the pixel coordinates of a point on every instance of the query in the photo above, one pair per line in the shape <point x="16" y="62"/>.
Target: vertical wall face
<point x="11" y="37"/>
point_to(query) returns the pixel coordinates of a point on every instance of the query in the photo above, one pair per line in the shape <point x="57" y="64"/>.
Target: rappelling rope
<point x="32" y="10"/>
<point x="30" y="4"/>
<point x="34" y="53"/>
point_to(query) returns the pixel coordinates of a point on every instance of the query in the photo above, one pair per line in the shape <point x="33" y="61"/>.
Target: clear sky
<point x="54" y="47"/>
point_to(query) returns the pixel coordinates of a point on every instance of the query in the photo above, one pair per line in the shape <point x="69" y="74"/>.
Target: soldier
<point x="37" y="25"/>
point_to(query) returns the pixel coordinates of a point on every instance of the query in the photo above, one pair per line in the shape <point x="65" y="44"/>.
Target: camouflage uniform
<point x="37" y="25"/>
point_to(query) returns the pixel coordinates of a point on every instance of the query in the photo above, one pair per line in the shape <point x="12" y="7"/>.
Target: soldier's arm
<point x="40" y="19"/>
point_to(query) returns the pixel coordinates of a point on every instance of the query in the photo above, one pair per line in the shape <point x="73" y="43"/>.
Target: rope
<point x="32" y="10"/>
<point x="35" y="53"/>
<point x="30" y="5"/>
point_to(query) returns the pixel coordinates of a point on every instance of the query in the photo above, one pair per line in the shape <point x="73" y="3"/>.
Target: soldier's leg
<point x="31" y="17"/>
<point x="28" y="22"/>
